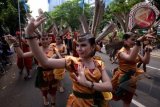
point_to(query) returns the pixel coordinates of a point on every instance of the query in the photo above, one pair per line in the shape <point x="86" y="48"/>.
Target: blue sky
<point x="36" y="4"/>
<point x="43" y="4"/>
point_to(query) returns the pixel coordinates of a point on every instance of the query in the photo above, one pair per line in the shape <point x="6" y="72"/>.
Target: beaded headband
<point x="84" y="37"/>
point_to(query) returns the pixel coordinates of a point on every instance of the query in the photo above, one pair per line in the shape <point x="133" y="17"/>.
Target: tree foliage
<point x="9" y="16"/>
<point x="118" y="11"/>
<point x="68" y="13"/>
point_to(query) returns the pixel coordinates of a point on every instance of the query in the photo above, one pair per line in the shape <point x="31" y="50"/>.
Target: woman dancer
<point x="45" y="81"/>
<point x="61" y="48"/>
<point x="85" y="71"/>
<point x="125" y="76"/>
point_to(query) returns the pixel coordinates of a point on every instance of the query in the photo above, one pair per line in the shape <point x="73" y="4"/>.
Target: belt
<point x="130" y="71"/>
<point x="83" y="95"/>
<point x="44" y="69"/>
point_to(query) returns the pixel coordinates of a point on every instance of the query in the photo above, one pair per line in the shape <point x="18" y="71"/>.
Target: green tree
<point x="118" y="11"/>
<point x="9" y="15"/>
<point x="68" y="13"/>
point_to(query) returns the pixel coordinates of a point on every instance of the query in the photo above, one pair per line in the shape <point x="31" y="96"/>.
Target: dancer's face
<point x="58" y="40"/>
<point x="84" y="49"/>
<point x="130" y="42"/>
<point x="50" y="39"/>
<point x="45" y="41"/>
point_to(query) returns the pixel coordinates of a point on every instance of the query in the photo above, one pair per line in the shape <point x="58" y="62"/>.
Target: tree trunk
<point x="122" y="22"/>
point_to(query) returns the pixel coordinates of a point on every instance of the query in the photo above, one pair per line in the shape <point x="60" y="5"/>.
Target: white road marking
<point x="153" y="68"/>
<point x="137" y="103"/>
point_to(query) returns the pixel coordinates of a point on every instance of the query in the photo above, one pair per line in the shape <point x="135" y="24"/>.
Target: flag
<point x="24" y="4"/>
<point x="81" y="3"/>
<point x="23" y="1"/>
<point x="48" y="1"/>
<point x="25" y="7"/>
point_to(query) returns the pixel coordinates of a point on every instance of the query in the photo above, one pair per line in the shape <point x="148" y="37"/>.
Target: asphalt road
<point x="16" y="92"/>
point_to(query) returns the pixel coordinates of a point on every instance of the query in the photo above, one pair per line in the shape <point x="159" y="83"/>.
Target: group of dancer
<point x="87" y="73"/>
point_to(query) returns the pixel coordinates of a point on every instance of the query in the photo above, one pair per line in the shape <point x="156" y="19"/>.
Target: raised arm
<point x="135" y="50"/>
<point x="146" y="58"/>
<point x="133" y="54"/>
<point x="17" y="48"/>
<point x="37" y="52"/>
<point x="20" y="53"/>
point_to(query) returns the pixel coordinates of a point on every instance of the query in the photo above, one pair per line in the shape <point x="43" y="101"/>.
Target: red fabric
<point x="75" y="54"/>
<point x="27" y="61"/>
<point x="75" y="35"/>
<point x="147" y="19"/>
<point x="17" y="33"/>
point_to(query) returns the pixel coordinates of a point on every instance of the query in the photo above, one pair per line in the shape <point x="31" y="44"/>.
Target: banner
<point x="142" y="15"/>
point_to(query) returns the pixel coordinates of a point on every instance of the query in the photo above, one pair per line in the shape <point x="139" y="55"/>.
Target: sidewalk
<point x="156" y="53"/>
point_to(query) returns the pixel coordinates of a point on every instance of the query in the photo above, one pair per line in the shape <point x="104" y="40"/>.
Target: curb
<point x="155" y="53"/>
<point x="155" y="56"/>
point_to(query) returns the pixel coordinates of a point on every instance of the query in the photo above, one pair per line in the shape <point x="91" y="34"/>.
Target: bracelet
<point x="92" y="84"/>
<point x="29" y="37"/>
<point x="138" y="43"/>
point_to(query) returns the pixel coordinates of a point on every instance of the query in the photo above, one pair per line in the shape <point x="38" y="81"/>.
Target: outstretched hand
<point x="10" y="39"/>
<point x="33" y="24"/>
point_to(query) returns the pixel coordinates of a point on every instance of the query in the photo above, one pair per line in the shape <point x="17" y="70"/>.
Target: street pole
<point x="83" y="6"/>
<point x="19" y="17"/>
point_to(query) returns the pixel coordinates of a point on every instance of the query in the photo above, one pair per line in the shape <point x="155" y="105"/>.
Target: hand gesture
<point x="57" y="53"/>
<point x="81" y="76"/>
<point x="11" y="39"/>
<point x="33" y="24"/>
<point x="148" y="48"/>
<point x="148" y="36"/>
